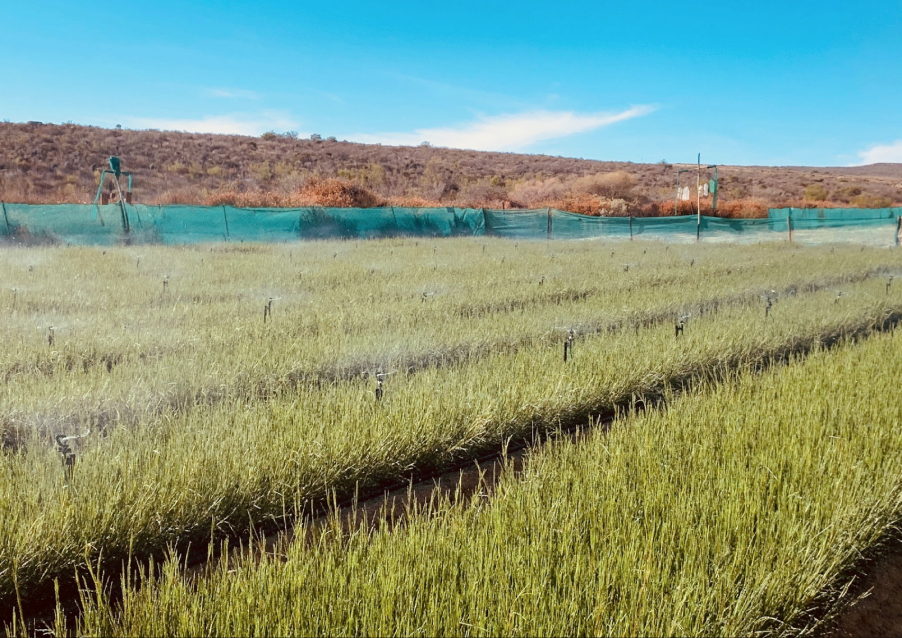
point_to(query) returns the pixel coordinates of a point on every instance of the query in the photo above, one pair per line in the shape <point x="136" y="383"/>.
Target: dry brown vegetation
<point x="47" y="163"/>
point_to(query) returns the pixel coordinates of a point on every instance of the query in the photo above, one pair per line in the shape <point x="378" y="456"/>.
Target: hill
<point x="49" y="163"/>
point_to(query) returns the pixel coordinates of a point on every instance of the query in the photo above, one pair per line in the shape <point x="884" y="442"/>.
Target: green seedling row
<point x="141" y="332"/>
<point x="190" y="477"/>
<point x="738" y="510"/>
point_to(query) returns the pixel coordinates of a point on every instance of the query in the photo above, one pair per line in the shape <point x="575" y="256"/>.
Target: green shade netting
<point x="176" y="224"/>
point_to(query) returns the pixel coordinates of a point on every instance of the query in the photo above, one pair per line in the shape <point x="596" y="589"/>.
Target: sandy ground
<point x="878" y="608"/>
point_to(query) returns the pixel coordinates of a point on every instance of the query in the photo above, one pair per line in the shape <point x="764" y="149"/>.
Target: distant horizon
<point x="588" y="159"/>
<point x="769" y="84"/>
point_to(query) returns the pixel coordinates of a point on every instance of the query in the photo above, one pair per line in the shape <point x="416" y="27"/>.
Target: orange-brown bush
<point x="338" y="193"/>
<point x="594" y="205"/>
<point x="534" y="193"/>
<point x="614" y="185"/>
<point x="413" y="202"/>
<point x="49" y="163"/>
<point x="733" y="209"/>
<point x="331" y="192"/>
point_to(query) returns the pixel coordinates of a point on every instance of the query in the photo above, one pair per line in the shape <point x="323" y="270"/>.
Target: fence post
<point x="225" y="218"/>
<point x="631" y="228"/>
<point x="9" y="230"/>
<point x="485" y="223"/>
<point x="898" y="227"/>
<point x="789" y="223"/>
<point x="698" y="229"/>
<point x="549" y="222"/>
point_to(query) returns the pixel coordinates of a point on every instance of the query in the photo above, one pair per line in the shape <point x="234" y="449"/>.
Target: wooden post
<point x="789" y="224"/>
<point x="631" y="228"/>
<point x="226" y="220"/>
<point x="549" y="222"/>
<point x="898" y="228"/>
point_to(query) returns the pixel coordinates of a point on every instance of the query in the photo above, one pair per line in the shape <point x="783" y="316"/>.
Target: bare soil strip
<point x="874" y="605"/>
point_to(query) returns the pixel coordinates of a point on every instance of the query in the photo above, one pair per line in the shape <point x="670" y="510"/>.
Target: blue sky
<point x="814" y="83"/>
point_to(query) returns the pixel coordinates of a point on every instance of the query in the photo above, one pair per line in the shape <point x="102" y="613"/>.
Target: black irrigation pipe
<point x="40" y="604"/>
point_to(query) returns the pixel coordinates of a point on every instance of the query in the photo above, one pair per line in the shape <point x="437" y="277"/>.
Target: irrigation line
<point x="40" y="605"/>
<point x="412" y="363"/>
<point x="467" y="352"/>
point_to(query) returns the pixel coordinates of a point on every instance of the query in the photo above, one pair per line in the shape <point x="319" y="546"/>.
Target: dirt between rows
<point x="478" y="478"/>
<point x="876" y="606"/>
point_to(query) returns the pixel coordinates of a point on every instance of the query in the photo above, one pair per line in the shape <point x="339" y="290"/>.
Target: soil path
<point x="877" y="611"/>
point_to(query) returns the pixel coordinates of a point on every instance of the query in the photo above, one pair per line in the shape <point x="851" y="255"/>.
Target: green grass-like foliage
<point x="733" y="512"/>
<point x="205" y="421"/>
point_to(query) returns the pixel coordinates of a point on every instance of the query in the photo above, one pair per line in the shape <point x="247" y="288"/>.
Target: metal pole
<point x="226" y="219"/>
<point x="125" y="226"/>
<point x="9" y="230"/>
<point x="549" y="222"/>
<point x="789" y="223"/>
<point x="631" y="228"/>
<point x="698" y="195"/>
<point x="898" y="228"/>
<point x="97" y="214"/>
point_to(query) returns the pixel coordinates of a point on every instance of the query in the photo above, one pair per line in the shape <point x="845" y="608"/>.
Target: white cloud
<point x="882" y="153"/>
<point x="235" y="124"/>
<point x="233" y="94"/>
<point x="510" y="132"/>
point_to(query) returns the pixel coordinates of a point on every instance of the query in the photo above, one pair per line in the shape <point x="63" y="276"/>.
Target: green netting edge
<point x="176" y="224"/>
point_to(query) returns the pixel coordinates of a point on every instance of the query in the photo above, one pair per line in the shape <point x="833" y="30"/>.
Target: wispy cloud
<point x="882" y="153"/>
<point x="516" y="131"/>
<point x="234" y="124"/>
<point x="233" y="94"/>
